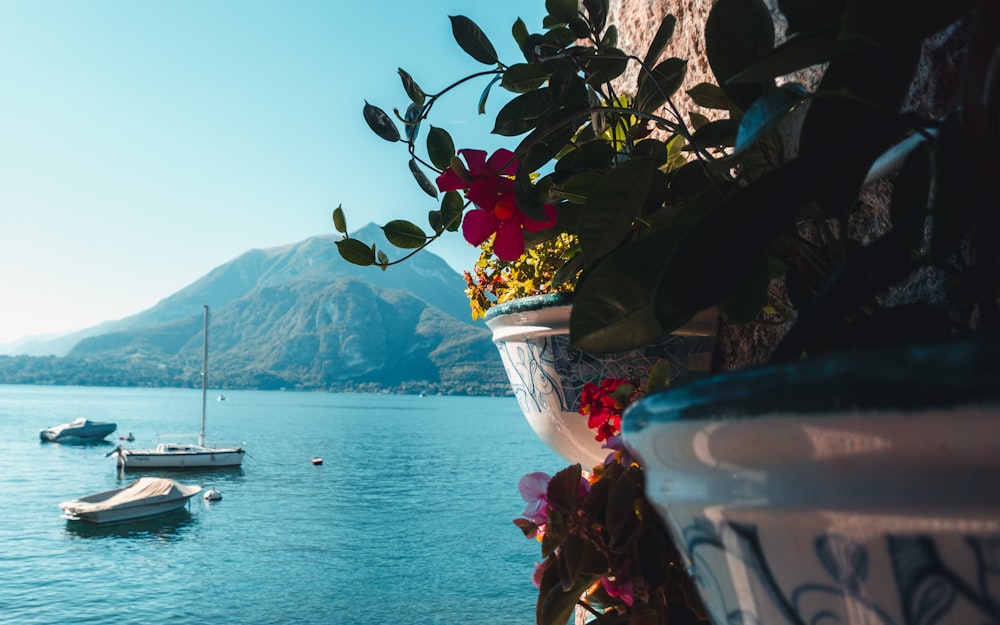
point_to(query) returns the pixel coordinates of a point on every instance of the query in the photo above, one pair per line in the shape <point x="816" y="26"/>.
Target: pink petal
<point x="533" y="486"/>
<point x="478" y="225"/>
<point x="475" y="159"/>
<point x="537" y="511"/>
<point x="534" y="226"/>
<point x="450" y="181"/>
<point x="483" y="192"/>
<point x="502" y="163"/>
<point x="509" y="242"/>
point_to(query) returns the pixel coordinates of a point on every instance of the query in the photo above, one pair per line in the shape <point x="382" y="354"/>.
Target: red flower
<point x="604" y="412"/>
<point x="490" y="187"/>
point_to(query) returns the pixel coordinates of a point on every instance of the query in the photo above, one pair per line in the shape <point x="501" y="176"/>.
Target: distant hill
<point x="296" y="316"/>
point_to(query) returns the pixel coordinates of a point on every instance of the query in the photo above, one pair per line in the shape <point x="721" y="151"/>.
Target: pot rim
<point x="529" y="304"/>
<point x="913" y="377"/>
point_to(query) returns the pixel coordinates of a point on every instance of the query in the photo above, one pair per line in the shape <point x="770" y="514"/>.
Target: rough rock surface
<point x="933" y="93"/>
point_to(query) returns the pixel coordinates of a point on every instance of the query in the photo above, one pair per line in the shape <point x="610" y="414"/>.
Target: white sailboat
<point x="184" y="455"/>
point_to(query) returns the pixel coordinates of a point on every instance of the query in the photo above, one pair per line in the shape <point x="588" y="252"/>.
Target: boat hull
<point x="108" y="507"/>
<point x="180" y="457"/>
<point x="79" y="431"/>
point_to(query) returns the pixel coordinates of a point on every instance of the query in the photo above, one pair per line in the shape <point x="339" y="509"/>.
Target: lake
<point x="408" y="520"/>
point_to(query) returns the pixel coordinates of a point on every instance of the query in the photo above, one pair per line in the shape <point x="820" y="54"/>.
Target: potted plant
<point x="761" y="214"/>
<point x="528" y="225"/>
<point x="605" y="553"/>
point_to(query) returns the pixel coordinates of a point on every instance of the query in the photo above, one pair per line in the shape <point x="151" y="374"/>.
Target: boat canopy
<point x="143" y="489"/>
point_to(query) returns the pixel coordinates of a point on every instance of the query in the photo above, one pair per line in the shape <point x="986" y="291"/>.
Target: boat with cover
<point x="78" y="431"/>
<point x="183" y="455"/>
<point x="145" y="497"/>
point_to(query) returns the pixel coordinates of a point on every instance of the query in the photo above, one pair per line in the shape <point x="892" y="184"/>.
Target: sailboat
<point x="184" y="455"/>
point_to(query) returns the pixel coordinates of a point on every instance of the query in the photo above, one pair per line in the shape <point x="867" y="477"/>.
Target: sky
<point x="145" y="142"/>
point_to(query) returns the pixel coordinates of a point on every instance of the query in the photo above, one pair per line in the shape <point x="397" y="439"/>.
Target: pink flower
<point x="536" y="577"/>
<point x="533" y="487"/>
<point x="620" y="586"/>
<point x="490" y="187"/>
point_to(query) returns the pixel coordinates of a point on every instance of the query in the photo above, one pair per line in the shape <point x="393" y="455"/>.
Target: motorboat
<point x="78" y="431"/>
<point x="183" y="455"/>
<point x="145" y="497"/>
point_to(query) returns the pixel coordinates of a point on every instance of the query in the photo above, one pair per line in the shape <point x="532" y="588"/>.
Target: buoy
<point x="317" y="461"/>
<point x="212" y="495"/>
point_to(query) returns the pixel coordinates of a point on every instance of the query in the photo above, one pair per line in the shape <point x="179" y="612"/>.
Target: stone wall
<point x="933" y="94"/>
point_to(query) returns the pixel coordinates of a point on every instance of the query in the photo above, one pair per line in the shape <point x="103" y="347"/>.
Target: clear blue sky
<point x="145" y="142"/>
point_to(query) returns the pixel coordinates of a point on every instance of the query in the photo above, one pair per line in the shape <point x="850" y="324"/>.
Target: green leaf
<point x="486" y="93"/>
<point x="520" y="32"/>
<point x="880" y="23"/>
<point x="858" y="98"/>
<point x="435" y="221"/>
<point x="562" y="10"/>
<point x="809" y="15"/>
<point x="657" y="88"/>
<point x="613" y="205"/>
<point x="451" y="211"/>
<point x="523" y="113"/>
<point x="621" y="504"/>
<point x="339" y="221"/>
<point x="593" y="155"/>
<point x="564" y="489"/>
<point x="659" y="376"/>
<point x="555" y="607"/>
<point x="524" y="77"/>
<point x="610" y="38"/>
<point x="412" y="119"/>
<point x="571" y="554"/>
<point x="356" y="252"/>
<point x="422" y="179"/>
<point x="745" y="303"/>
<point x="710" y="96"/>
<point x="579" y="27"/>
<point x="613" y="302"/>
<point x="440" y="147"/>
<point x="799" y="52"/>
<point x="737" y="34"/>
<point x="767" y="112"/>
<point x="412" y="89"/>
<point x="560" y="37"/>
<point x="380" y="123"/>
<point x="579" y="187"/>
<point x="473" y="40"/>
<point x="720" y="133"/>
<point x="660" y="41"/>
<point x="597" y="12"/>
<point x="610" y="64"/>
<point x="404" y="234"/>
<point x="721" y="251"/>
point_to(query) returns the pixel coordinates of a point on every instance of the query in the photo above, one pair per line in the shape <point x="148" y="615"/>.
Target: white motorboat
<point x="78" y="431"/>
<point x="145" y="497"/>
<point x="184" y="455"/>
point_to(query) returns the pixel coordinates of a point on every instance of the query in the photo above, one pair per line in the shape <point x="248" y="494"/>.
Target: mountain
<point x="314" y="260"/>
<point x="299" y="316"/>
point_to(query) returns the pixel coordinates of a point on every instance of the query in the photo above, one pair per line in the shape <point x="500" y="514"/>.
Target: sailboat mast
<point x="204" y="381"/>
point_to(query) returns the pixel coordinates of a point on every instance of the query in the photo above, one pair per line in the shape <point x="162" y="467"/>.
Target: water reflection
<point x="221" y="475"/>
<point x="169" y="527"/>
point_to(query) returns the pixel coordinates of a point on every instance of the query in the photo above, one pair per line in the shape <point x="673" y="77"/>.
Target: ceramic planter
<point x="854" y="490"/>
<point x="547" y="376"/>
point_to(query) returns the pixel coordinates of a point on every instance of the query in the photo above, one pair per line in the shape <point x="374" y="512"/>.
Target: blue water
<point x="407" y="521"/>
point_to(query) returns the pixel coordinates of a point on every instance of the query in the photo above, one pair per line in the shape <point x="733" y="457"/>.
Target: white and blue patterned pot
<point x="547" y="376"/>
<point x="854" y="490"/>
